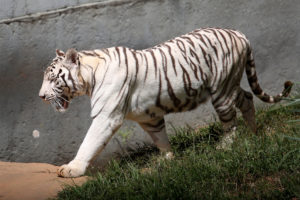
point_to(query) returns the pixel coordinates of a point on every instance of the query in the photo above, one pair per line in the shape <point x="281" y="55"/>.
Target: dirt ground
<point x="31" y="181"/>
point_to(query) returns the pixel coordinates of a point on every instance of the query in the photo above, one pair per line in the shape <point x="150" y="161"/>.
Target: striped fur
<point x="144" y="85"/>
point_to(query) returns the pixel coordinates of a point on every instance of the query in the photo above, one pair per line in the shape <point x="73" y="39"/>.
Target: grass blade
<point x="292" y="138"/>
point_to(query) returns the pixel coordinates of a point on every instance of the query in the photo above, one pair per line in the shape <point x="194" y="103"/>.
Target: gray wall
<point x="27" y="47"/>
<point x="17" y="8"/>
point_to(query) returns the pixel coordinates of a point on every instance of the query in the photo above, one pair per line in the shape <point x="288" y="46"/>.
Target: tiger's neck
<point x="90" y="61"/>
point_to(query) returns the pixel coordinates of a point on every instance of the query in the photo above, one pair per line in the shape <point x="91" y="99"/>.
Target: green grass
<point x="265" y="165"/>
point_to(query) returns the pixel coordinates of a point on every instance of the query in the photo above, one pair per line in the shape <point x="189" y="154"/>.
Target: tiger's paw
<point x="169" y="155"/>
<point x="227" y="140"/>
<point x="166" y="156"/>
<point x="73" y="169"/>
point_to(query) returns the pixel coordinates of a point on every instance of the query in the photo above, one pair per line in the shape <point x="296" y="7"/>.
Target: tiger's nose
<point x="42" y="94"/>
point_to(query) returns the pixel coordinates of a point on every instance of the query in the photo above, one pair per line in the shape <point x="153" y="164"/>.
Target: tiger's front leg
<point x="98" y="135"/>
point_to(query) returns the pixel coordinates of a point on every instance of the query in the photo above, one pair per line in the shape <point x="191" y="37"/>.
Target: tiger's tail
<point x="255" y="87"/>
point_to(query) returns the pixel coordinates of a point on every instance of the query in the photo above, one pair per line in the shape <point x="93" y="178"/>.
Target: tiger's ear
<point x="60" y="52"/>
<point x="71" y="56"/>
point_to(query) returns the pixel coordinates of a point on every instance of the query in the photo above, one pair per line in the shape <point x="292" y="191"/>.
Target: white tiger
<point x="144" y="85"/>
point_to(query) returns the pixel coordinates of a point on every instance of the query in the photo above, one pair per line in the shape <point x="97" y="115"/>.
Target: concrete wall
<point x="27" y="47"/>
<point x="17" y="8"/>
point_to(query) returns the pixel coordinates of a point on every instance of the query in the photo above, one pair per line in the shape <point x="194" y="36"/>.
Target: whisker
<point x="49" y="98"/>
<point x="60" y="97"/>
<point x="52" y="104"/>
<point x="58" y="103"/>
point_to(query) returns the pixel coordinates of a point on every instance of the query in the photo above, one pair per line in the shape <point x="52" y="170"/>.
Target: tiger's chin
<point x="61" y="110"/>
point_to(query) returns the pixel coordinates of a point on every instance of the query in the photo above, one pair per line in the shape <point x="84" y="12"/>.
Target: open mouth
<point x="61" y="104"/>
<point x="65" y="104"/>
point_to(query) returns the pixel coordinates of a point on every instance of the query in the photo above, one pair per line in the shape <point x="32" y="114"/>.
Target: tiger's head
<point x="62" y="80"/>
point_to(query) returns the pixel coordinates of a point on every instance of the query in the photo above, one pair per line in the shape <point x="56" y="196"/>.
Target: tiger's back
<point x="198" y="63"/>
<point x="181" y="73"/>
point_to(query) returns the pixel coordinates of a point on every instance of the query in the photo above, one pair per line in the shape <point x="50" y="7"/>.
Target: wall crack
<point x="53" y="13"/>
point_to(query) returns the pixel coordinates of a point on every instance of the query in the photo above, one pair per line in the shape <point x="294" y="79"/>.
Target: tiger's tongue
<point x="65" y="104"/>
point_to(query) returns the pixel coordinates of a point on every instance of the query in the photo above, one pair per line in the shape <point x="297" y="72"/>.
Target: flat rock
<point x="29" y="181"/>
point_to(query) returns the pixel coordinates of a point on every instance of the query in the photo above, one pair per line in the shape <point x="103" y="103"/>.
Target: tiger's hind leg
<point x="156" y="129"/>
<point x="226" y="111"/>
<point x="229" y="128"/>
<point x="245" y="104"/>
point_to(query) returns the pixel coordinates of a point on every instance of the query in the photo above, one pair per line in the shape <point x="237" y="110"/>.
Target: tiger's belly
<point x="151" y="106"/>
